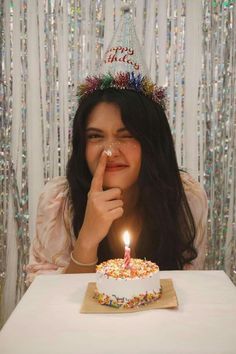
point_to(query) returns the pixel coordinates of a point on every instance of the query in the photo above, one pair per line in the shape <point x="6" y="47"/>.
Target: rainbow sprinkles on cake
<point x="127" y="287"/>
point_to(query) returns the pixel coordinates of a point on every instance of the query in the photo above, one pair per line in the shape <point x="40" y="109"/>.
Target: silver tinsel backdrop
<point x="47" y="46"/>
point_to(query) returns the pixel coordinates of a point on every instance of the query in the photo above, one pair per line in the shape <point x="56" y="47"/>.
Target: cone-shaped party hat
<point x="124" y="53"/>
<point x="123" y="66"/>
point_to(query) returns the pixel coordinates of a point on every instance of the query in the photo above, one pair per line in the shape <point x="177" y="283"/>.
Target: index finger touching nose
<point x="97" y="181"/>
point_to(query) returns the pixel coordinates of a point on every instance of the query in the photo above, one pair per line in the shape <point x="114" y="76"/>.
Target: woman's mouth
<point x="115" y="167"/>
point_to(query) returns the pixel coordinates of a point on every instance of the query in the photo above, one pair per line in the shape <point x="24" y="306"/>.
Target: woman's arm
<point x="198" y="204"/>
<point x="53" y="241"/>
<point x="102" y="208"/>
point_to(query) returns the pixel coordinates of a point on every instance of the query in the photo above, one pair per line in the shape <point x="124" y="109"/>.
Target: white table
<point x="47" y="319"/>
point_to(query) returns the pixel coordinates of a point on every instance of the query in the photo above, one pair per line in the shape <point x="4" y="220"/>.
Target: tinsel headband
<point x="123" y="81"/>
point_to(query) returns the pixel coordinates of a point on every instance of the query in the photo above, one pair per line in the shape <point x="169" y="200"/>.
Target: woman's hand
<point x="103" y="207"/>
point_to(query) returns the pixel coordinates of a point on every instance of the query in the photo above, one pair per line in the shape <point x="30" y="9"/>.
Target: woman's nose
<point x="112" y="148"/>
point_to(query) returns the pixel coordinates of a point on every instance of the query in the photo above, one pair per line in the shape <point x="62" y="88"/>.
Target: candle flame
<point x="126" y="238"/>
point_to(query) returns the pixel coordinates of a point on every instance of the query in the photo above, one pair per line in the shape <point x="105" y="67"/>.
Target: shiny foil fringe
<point x="175" y="67"/>
<point x="4" y="170"/>
<point x="9" y="186"/>
<point x="218" y="110"/>
<point x="5" y="117"/>
<point x="77" y="28"/>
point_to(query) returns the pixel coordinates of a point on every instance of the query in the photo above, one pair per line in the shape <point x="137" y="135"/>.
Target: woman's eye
<point x="127" y="136"/>
<point x="94" y="137"/>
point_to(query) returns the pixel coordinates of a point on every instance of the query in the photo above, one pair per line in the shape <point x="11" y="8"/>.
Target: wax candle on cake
<point x="126" y="238"/>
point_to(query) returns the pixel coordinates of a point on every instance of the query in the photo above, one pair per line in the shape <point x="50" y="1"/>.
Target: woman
<point x="139" y="188"/>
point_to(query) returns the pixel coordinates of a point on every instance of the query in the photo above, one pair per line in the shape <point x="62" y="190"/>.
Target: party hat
<point x="123" y="66"/>
<point x="124" y="53"/>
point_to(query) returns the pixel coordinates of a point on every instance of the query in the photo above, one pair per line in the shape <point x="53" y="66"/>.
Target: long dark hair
<point x="168" y="230"/>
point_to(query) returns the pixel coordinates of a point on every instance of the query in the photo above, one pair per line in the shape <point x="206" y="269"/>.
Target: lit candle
<point x="126" y="238"/>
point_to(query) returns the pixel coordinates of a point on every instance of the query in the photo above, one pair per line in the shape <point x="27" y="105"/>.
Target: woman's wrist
<point x="77" y="262"/>
<point x="84" y="251"/>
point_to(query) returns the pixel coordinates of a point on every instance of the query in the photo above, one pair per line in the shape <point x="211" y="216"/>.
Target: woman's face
<point x="106" y="131"/>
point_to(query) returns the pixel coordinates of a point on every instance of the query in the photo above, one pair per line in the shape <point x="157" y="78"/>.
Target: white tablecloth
<point x="47" y="319"/>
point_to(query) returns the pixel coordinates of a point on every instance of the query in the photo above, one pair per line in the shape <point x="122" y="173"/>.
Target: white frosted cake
<point x="118" y="286"/>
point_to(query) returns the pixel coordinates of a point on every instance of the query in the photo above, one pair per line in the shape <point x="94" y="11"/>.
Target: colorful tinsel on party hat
<point x="123" y="66"/>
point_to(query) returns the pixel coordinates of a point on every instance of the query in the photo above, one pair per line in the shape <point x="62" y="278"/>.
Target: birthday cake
<point x="127" y="287"/>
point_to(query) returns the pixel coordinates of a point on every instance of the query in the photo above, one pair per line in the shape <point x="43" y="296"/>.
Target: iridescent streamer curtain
<point x="48" y="46"/>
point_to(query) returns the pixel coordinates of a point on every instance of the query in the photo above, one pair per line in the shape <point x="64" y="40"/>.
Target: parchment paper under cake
<point x="168" y="299"/>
